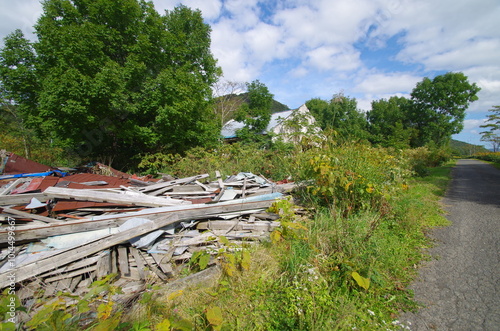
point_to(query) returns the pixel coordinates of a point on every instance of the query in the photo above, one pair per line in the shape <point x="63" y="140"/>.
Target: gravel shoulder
<point x="460" y="287"/>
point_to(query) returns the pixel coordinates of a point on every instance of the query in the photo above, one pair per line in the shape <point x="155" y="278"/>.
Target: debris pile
<point x="62" y="230"/>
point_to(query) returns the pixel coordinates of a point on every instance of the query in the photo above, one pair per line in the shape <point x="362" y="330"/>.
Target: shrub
<point x="491" y="157"/>
<point x="354" y="177"/>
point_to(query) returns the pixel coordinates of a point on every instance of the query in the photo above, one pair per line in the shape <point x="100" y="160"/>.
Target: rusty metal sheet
<point x="18" y="165"/>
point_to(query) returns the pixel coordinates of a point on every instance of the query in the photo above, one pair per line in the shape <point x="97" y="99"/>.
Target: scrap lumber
<point x="29" y="215"/>
<point x="162" y="185"/>
<point x="63" y="257"/>
<point x="123" y="260"/>
<point x="11" y="186"/>
<point x="187" y="212"/>
<point x="7" y="200"/>
<point x="141" y="268"/>
<point x="100" y="196"/>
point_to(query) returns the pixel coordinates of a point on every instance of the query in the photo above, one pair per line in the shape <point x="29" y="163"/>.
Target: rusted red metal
<point x="17" y="164"/>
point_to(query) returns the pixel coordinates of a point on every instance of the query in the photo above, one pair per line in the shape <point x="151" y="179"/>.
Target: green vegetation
<point x="109" y="79"/>
<point x="435" y="111"/>
<point x="256" y="112"/>
<point x="462" y="149"/>
<point x="493" y="157"/>
<point x="492" y="135"/>
<point x="345" y="263"/>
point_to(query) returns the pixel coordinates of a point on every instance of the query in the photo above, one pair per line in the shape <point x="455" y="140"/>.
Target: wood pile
<point x="62" y="233"/>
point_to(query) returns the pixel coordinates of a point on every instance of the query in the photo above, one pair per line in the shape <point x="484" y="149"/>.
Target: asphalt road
<point x="461" y="287"/>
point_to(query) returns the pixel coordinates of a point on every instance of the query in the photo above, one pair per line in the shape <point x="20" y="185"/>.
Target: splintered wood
<point x="62" y="234"/>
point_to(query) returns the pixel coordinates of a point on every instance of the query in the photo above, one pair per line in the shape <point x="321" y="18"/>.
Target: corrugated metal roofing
<point x="73" y="181"/>
<point x="19" y="165"/>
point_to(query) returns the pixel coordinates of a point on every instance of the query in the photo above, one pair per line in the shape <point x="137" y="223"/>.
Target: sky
<point x="366" y="49"/>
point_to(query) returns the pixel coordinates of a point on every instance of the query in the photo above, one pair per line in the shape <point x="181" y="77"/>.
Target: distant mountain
<point x="460" y="148"/>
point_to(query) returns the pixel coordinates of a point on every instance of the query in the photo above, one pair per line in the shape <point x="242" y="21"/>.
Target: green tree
<point x="492" y="135"/>
<point x="256" y="113"/>
<point x="340" y="114"/>
<point x="388" y="124"/>
<point x="438" y="107"/>
<point x="114" y="78"/>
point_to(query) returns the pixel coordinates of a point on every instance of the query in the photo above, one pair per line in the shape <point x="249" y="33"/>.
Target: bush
<point x="422" y="158"/>
<point x="354" y="177"/>
<point x="277" y="163"/>
<point x="491" y="157"/>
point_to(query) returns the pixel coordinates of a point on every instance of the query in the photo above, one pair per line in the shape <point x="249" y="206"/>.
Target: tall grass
<point x="368" y="215"/>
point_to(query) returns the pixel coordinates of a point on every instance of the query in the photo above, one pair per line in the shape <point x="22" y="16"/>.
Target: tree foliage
<point x="438" y="107"/>
<point x="492" y="135"/>
<point x="114" y="78"/>
<point x="340" y="114"/>
<point x="388" y="122"/>
<point x="256" y="113"/>
<point x="435" y="111"/>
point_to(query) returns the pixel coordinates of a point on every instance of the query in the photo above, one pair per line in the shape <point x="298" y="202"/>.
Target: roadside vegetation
<point x="343" y="262"/>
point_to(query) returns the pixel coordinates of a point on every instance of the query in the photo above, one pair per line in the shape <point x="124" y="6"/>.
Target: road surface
<point x="461" y="287"/>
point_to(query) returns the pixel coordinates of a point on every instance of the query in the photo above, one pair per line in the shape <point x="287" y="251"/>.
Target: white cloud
<point x="210" y="8"/>
<point x="334" y="58"/>
<point x="385" y="84"/>
<point x="19" y="14"/>
<point x="473" y="124"/>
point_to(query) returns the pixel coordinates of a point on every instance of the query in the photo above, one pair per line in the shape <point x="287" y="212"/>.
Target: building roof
<point x="229" y="129"/>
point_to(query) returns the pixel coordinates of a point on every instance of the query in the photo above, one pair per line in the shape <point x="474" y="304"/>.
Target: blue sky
<point x="367" y="49"/>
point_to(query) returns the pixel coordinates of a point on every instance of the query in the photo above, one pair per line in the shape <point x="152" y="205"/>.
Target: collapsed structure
<point x="62" y="230"/>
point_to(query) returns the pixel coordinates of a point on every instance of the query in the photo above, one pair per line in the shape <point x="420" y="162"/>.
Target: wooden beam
<point x="106" y="221"/>
<point x="17" y="199"/>
<point x="102" y="196"/>
<point x="24" y="214"/>
<point x="123" y="261"/>
<point x="157" y="186"/>
<point x="66" y="256"/>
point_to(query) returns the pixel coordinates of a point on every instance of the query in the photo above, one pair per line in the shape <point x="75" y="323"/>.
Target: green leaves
<point x="214" y="317"/>
<point x="114" y="78"/>
<point x="360" y="280"/>
<point x="438" y="107"/>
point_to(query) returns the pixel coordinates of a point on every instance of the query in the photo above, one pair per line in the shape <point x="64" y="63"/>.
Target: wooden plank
<point x="238" y="226"/>
<point x="105" y="221"/>
<point x="141" y="268"/>
<point x="17" y="199"/>
<point x="73" y="266"/>
<point x="74" y="283"/>
<point x="101" y="196"/>
<point x="151" y="263"/>
<point x="154" y="187"/>
<point x="164" y="266"/>
<point x="123" y="261"/>
<point x="63" y="284"/>
<point x="12" y="186"/>
<point x="64" y="257"/>
<point x="114" y="260"/>
<point x="27" y="233"/>
<point x="71" y="274"/>
<point x="29" y="215"/>
<point x="103" y="264"/>
<point x="244" y="188"/>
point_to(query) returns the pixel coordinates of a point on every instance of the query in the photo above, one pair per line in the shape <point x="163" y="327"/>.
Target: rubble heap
<point x="62" y="230"/>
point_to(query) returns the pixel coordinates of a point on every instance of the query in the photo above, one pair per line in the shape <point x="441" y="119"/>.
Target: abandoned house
<point x="289" y="126"/>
